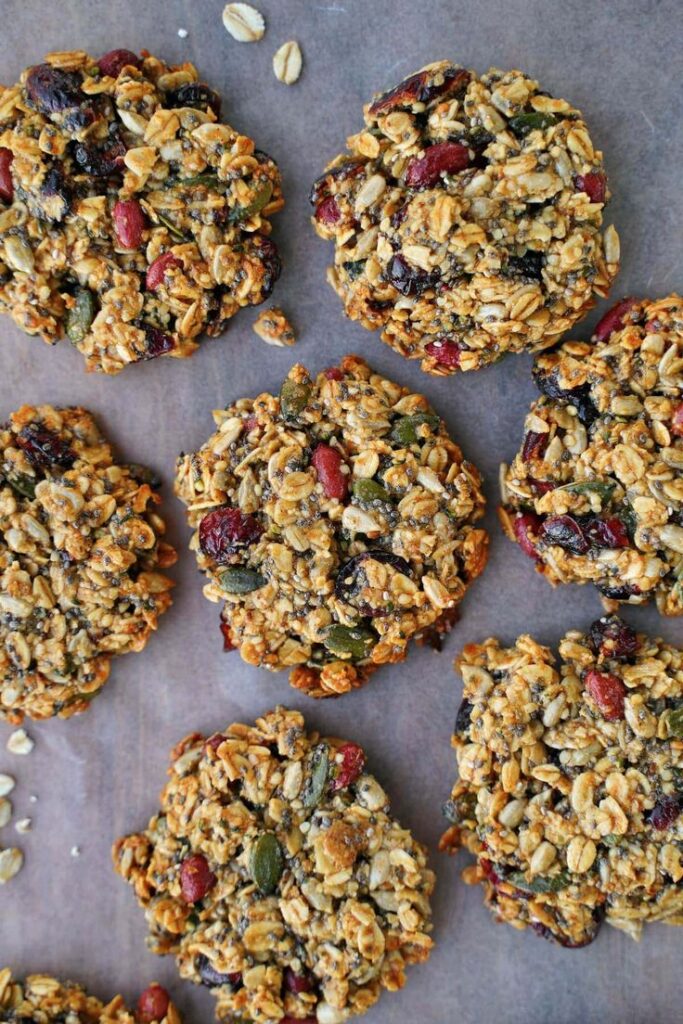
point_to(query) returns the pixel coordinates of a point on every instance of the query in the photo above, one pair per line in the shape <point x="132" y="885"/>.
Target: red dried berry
<point x="541" y="486"/>
<point x="6" y="183"/>
<point x="524" y="524"/>
<point x="113" y="63"/>
<point x="228" y="645"/>
<point x="196" y="878"/>
<point x="534" y="445"/>
<point x="677" y="421"/>
<point x="566" y="533"/>
<point x="421" y="88"/>
<point x="214" y="742"/>
<point x="298" y="1020"/>
<point x="443" y="158"/>
<point x="153" y="1004"/>
<point x="607" y="533"/>
<point x="489" y="872"/>
<point x="298" y="982"/>
<point x="157" y="342"/>
<point x="129" y="223"/>
<point x="613" y="319"/>
<point x="665" y="812"/>
<point x="43" y="448"/>
<point x="328" y="463"/>
<point x="446" y="352"/>
<point x="333" y="373"/>
<point x="226" y="529"/>
<point x="594" y="185"/>
<point x="610" y="637"/>
<point x="352" y="764"/>
<point x="327" y="211"/>
<point x="608" y="692"/>
<point x="156" y="271"/>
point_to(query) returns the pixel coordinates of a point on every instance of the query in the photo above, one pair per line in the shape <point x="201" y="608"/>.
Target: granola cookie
<point x="277" y="877"/>
<point x="131" y="219"/>
<point x="45" y="1000"/>
<point x="596" y="492"/>
<point x="80" y="560"/>
<point x="336" y="522"/>
<point x="571" y="781"/>
<point x="467" y="218"/>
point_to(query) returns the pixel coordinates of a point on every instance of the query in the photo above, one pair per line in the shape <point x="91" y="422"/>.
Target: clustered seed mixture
<point x="596" y="492"/>
<point x="571" y="781"/>
<point x="336" y="522"/>
<point x="467" y="218"/>
<point x="45" y="1000"/>
<point x="131" y="219"/>
<point x="80" y="560"/>
<point x="276" y="875"/>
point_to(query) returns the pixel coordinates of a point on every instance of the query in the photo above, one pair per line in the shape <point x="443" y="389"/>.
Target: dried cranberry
<point x="579" y="397"/>
<point x="594" y="184"/>
<point x="561" y="939"/>
<point x="566" y="533"/>
<point x="327" y="211"/>
<point x="333" y="373"/>
<point x="156" y="271"/>
<point x="214" y="742"/>
<point x="212" y="978"/>
<point x="196" y="878"/>
<point x="52" y="89"/>
<point x="267" y="252"/>
<point x="534" y="445"/>
<point x="613" y="319"/>
<point x="352" y="764"/>
<point x="228" y="645"/>
<point x="607" y="533"/>
<point x="418" y="88"/>
<point x="442" y="158"/>
<point x="463" y="718"/>
<point x="56" y="195"/>
<point x="196" y="95"/>
<point x="524" y="524"/>
<point x="489" y="871"/>
<point x="340" y="172"/>
<point x="153" y="1004"/>
<point x="43" y="448"/>
<point x="224" y="530"/>
<point x="113" y="63"/>
<point x="6" y="183"/>
<point x="157" y="342"/>
<point x="541" y="486"/>
<point x="409" y="280"/>
<point x="328" y="463"/>
<point x="349" y="577"/>
<point x="665" y="812"/>
<point x="608" y="692"/>
<point x="529" y="265"/>
<point x="446" y="352"/>
<point x="619" y="593"/>
<point x="610" y="637"/>
<point x="102" y="161"/>
<point x="677" y="421"/>
<point x="298" y="983"/>
<point x="129" y="222"/>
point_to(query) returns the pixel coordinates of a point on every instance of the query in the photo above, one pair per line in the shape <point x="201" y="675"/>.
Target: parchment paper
<point x="98" y="776"/>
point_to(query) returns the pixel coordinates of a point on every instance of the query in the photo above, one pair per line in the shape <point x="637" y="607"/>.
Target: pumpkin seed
<point x="209" y="180"/>
<point x="81" y="315"/>
<point x="552" y="883"/>
<point x="267" y="863"/>
<point x="238" y="580"/>
<point x="354" y="642"/>
<point x="316" y="782"/>
<point x="404" y="431"/>
<point x="22" y="484"/>
<point x="675" y="722"/>
<point x="369" y="490"/>
<point x="170" y="226"/>
<point x="603" y="489"/>
<point x="536" y="121"/>
<point x="261" y="199"/>
<point x="293" y="398"/>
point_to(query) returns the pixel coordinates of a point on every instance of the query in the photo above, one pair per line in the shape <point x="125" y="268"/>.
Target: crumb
<point x="182" y="32"/>
<point x="20" y="742"/>
<point x="23" y="825"/>
<point x="75" y="851"/>
<point x="273" y="327"/>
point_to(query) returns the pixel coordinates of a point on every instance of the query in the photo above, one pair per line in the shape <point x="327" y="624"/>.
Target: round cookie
<point x="45" y="1000"/>
<point x="80" y="560"/>
<point x="277" y="877"/>
<point x="571" y="781"/>
<point x="336" y="522"/>
<point x="467" y="218"/>
<point x="595" y="493"/>
<point x="131" y="219"/>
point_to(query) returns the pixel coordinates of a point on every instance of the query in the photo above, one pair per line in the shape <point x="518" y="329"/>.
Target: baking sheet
<point x="98" y="776"/>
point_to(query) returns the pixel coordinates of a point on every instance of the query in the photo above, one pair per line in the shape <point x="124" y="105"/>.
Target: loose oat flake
<point x="244" y="22"/>
<point x="11" y="861"/>
<point x="273" y="327"/>
<point x="571" y="781"/>
<point x="276" y="875"/>
<point x="45" y="1000"/>
<point x="23" y="825"/>
<point x="336" y="521"/>
<point x="19" y="742"/>
<point x="81" y="560"/>
<point x="7" y="784"/>
<point x="287" y="62"/>
<point x="5" y="811"/>
<point x="132" y="221"/>
<point x="595" y="494"/>
<point x="467" y="218"/>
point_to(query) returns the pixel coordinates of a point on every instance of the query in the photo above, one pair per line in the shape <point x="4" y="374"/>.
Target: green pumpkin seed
<point x="293" y="398"/>
<point x="261" y="199"/>
<point x="675" y="722"/>
<point x="170" y="226"/>
<point x="81" y="315"/>
<point x="404" y="431"/>
<point x="22" y="484"/>
<point x="603" y="489"/>
<point x="316" y="782"/>
<point x="208" y="180"/>
<point x="238" y="580"/>
<point x="354" y="268"/>
<point x="369" y="490"/>
<point x="267" y="863"/>
<point x="525" y="123"/>
<point x="552" y="883"/>
<point x="354" y="642"/>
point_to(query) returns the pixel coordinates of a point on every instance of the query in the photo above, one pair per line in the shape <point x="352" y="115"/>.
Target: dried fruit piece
<point x="566" y="532"/>
<point x="196" y="878"/>
<point x="594" y="184"/>
<point x="608" y="692"/>
<point x="441" y="158"/>
<point x="298" y="982"/>
<point x="351" y="765"/>
<point x="129" y="223"/>
<point x="267" y="863"/>
<point x="665" y="812"/>
<point x="212" y="978"/>
<point x="43" y="448"/>
<point x="6" y="182"/>
<point x="53" y="90"/>
<point x="329" y="465"/>
<point x="327" y="211"/>
<point x="225" y="531"/>
<point x="446" y="352"/>
<point x="609" y="532"/>
<point x="157" y="270"/>
<point x="198" y="96"/>
<point x="524" y="525"/>
<point x="287" y="62"/>
<point x="677" y="421"/>
<point x="409" y="280"/>
<point x="534" y="445"/>
<point x="153" y="1004"/>
<point x="611" y="637"/>
<point x="613" y="319"/>
<point x="244" y="22"/>
<point x="115" y="61"/>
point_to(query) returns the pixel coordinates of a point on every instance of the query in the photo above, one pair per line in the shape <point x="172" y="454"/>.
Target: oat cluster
<point x="467" y="218"/>
<point x="131" y="219"/>
<point x="571" y="781"/>
<point x="335" y="521"/>
<point x="277" y="877"/>
<point x="595" y="494"/>
<point x="81" y="556"/>
<point x="45" y="1000"/>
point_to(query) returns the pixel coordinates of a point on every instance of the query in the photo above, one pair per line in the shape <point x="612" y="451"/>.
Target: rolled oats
<point x="131" y="220"/>
<point x="273" y="327"/>
<point x="287" y="62"/>
<point x="19" y="742"/>
<point x="595" y="495"/>
<point x="589" y="829"/>
<point x="244" y="22"/>
<point x="277" y="877"/>
<point x="11" y="862"/>
<point x="81" y="554"/>
<point x="7" y="784"/>
<point x="336" y="521"/>
<point x="45" y="1000"/>
<point x="467" y="218"/>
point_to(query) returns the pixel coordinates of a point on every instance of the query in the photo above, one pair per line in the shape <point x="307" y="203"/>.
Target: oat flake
<point x="287" y="62"/>
<point x="7" y="784"/>
<point x="20" y="742"/>
<point x="11" y="861"/>
<point x="244" y="22"/>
